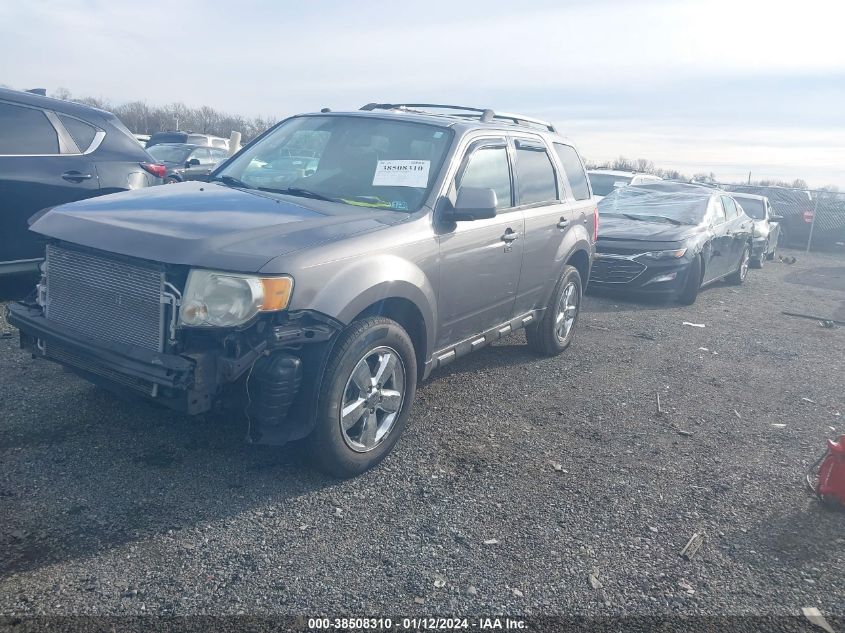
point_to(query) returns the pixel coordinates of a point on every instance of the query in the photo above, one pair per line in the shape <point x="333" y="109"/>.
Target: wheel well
<point x="406" y="314"/>
<point x="581" y="261"/>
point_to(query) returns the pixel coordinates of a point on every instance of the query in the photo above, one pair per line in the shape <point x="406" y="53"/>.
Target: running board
<point x="477" y="341"/>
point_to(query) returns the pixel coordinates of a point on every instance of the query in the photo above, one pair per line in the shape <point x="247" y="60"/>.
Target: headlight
<point x="217" y="299"/>
<point x="677" y="254"/>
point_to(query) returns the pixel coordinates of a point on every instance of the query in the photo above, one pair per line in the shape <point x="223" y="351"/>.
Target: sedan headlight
<point x="218" y="299"/>
<point x="676" y="254"/>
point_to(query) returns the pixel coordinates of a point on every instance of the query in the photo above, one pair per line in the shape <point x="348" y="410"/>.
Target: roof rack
<point x="485" y="115"/>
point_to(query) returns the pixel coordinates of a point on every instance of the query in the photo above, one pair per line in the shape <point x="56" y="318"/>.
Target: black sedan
<point x="670" y="239"/>
<point x="187" y="162"/>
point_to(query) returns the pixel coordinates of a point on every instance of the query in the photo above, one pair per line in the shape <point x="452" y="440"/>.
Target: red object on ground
<point x="831" y="480"/>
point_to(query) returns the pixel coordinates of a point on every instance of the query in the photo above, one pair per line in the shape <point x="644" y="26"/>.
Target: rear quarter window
<point x="26" y="131"/>
<point x="82" y="133"/>
<point x="574" y="170"/>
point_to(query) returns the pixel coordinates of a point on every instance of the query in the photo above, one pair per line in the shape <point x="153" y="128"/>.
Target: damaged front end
<point x="116" y="322"/>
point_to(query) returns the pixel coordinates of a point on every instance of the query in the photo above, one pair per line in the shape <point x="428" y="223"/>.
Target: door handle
<point x="510" y="236"/>
<point x="563" y="223"/>
<point x="76" y="176"/>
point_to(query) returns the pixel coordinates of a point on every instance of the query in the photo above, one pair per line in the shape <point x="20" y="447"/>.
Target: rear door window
<point x="730" y="207"/>
<point x="535" y="174"/>
<point x="82" y="133"/>
<point x="26" y="131"/>
<point x="718" y="210"/>
<point x="488" y="169"/>
<point x="574" y="170"/>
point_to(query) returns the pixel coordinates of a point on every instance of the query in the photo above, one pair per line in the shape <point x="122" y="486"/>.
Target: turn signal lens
<point x="276" y="293"/>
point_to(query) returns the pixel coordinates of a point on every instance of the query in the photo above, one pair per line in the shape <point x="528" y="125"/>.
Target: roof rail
<point x="485" y="115"/>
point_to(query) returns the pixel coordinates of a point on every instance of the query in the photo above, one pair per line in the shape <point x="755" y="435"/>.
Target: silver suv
<point x="323" y="271"/>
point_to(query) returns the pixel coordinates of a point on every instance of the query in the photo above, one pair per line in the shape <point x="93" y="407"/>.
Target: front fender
<point x="350" y="288"/>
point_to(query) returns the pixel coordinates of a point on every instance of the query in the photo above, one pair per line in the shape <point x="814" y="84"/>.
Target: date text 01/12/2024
<point x="415" y="624"/>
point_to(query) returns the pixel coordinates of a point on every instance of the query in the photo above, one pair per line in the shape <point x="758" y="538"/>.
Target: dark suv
<point x="53" y="152"/>
<point x="315" y="299"/>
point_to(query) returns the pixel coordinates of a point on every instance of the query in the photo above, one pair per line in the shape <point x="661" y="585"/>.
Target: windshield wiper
<point x="232" y="181"/>
<point x="301" y="193"/>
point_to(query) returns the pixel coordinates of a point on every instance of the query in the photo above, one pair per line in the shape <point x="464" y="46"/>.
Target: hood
<point x="621" y="228"/>
<point x="207" y="224"/>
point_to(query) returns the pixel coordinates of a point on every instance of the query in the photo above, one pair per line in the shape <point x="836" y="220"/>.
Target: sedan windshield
<point x="603" y="184"/>
<point x="650" y="205"/>
<point x="753" y="208"/>
<point x="169" y="153"/>
<point x="355" y="160"/>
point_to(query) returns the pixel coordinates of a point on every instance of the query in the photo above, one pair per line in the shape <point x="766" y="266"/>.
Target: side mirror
<point x="194" y="162"/>
<point x="474" y="203"/>
<point x="775" y="218"/>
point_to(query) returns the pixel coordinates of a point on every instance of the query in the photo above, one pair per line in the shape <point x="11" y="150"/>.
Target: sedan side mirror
<point x="474" y="203"/>
<point x="192" y="162"/>
<point x="775" y="218"/>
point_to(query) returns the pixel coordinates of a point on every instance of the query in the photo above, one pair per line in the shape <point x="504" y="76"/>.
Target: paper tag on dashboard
<point x="402" y="173"/>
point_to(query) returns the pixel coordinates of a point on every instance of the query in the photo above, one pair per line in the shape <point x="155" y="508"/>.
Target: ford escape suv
<point x="322" y="271"/>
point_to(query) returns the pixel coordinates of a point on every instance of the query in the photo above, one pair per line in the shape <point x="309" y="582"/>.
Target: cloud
<point x="708" y="70"/>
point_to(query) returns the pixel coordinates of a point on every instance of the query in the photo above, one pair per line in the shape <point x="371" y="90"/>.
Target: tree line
<point x="645" y="166"/>
<point x="142" y="118"/>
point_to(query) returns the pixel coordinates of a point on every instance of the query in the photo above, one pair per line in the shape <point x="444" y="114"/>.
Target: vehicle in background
<point x="52" y="152"/>
<point x="188" y="138"/>
<point x="795" y="206"/>
<point x="670" y="239"/>
<point x="187" y="162"/>
<point x="604" y="181"/>
<point x="142" y="139"/>
<point x="424" y="233"/>
<point x="766" y="230"/>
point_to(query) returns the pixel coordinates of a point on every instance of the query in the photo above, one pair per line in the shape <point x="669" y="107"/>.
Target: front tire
<point x="554" y="332"/>
<point x="692" y="285"/>
<point x="739" y="275"/>
<point x="365" y="398"/>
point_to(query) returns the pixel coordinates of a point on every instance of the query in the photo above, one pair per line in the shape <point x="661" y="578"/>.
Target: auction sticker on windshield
<point x="401" y="173"/>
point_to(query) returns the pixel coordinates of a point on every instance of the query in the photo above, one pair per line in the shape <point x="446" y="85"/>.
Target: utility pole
<point x="749" y="177"/>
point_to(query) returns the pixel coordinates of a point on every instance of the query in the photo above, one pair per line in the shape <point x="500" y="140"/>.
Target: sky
<point x="722" y="86"/>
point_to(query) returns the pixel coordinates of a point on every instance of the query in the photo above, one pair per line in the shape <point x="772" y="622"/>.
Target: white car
<point x="603" y="181"/>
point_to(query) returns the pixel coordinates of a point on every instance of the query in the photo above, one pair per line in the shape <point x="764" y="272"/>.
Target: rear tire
<point x="555" y="331"/>
<point x="739" y="275"/>
<point x="371" y="375"/>
<point x="171" y="180"/>
<point x="689" y="293"/>
<point x="757" y="262"/>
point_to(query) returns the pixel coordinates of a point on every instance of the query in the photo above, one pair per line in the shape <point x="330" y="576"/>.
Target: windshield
<point x="169" y="153"/>
<point x="753" y="208"/>
<point x="360" y="161"/>
<point x="603" y="184"/>
<point x="650" y="205"/>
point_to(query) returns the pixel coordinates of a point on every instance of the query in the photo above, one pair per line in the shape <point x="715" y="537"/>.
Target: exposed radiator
<point x="106" y="299"/>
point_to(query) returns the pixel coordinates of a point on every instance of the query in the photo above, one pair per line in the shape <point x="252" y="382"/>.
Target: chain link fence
<point x="812" y="220"/>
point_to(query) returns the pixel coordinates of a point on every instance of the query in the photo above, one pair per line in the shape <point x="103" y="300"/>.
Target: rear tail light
<point x="595" y="224"/>
<point x="155" y="169"/>
<point x="808" y="216"/>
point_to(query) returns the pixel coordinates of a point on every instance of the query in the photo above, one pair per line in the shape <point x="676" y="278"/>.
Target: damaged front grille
<point x="106" y="298"/>
<point x="615" y="270"/>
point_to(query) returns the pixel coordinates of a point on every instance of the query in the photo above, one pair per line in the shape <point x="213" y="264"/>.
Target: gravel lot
<point x="109" y="508"/>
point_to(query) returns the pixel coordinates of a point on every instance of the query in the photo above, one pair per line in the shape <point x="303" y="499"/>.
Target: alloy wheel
<point x="567" y="311"/>
<point x="372" y="399"/>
